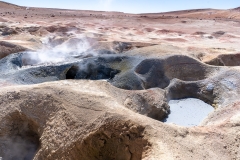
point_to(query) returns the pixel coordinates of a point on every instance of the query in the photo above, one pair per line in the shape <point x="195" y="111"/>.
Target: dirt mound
<point x="218" y="34"/>
<point x="199" y="33"/>
<point x="158" y="73"/>
<point x="148" y="29"/>
<point x="8" y="31"/>
<point x="176" y="39"/>
<point x="225" y="60"/>
<point x="7" y="48"/>
<point x="166" y="31"/>
<point x="111" y="137"/>
<point x="51" y="119"/>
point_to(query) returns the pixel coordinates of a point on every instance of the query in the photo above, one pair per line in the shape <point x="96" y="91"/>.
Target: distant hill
<point x="7" y="5"/>
<point x="238" y="9"/>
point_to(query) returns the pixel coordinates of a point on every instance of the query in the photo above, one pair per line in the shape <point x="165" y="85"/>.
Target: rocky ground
<point x="96" y="85"/>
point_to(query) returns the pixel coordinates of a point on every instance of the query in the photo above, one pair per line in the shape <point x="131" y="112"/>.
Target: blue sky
<point x="130" y="6"/>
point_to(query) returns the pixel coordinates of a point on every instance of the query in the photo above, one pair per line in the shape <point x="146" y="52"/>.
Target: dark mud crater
<point x="178" y="76"/>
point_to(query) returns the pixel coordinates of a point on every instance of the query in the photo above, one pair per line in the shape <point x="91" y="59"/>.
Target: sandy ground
<point x="207" y="33"/>
<point x="87" y="119"/>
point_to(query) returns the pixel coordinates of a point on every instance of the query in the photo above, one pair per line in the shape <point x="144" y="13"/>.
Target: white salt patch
<point x="188" y="112"/>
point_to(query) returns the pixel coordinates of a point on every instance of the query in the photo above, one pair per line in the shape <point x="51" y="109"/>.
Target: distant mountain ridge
<point x="238" y="9"/>
<point x="8" y="5"/>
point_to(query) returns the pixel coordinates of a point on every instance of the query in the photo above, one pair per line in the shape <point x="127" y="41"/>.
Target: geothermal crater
<point x="188" y="112"/>
<point x="109" y="85"/>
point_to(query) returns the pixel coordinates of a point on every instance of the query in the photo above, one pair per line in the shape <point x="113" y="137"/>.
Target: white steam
<point x="17" y="148"/>
<point x="59" y="50"/>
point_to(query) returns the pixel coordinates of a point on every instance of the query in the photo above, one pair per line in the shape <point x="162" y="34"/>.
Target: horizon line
<point x="190" y="9"/>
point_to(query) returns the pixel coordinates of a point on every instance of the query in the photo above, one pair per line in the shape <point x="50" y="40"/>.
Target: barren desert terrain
<point x="91" y="85"/>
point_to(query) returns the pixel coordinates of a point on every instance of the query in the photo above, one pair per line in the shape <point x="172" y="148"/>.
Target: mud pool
<point x="188" y="112"/>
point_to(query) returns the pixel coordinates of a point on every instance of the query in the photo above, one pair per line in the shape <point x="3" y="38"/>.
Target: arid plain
<point x="94" y="85"/>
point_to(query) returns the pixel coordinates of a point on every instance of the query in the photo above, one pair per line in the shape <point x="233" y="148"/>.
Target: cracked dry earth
<point x="96" y="85"/>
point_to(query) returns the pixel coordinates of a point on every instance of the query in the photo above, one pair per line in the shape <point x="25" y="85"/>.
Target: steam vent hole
<point x="72" y="72"/>
<point x="188" y="112"/>
<point x="22" y="142"/>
